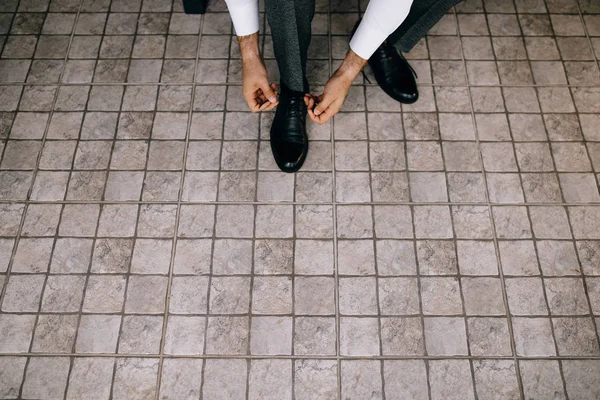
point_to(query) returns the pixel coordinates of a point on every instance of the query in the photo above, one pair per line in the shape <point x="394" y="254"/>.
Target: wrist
<point x="249" y="47"/>
<point x="352" y="65"/>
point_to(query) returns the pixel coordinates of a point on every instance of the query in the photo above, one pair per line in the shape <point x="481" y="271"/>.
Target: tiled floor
<point x="149" y="247"/>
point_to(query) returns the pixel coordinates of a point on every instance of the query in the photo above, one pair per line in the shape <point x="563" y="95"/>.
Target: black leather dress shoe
<point x="393" y="74"/>
<point x="289" y="141"/>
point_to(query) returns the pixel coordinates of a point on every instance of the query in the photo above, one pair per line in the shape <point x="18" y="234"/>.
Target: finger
<point x="330" y="111"/>
<point x="309" y="101"/>
<point x="270" y="106"/>
<point x="324" y="103"/>
<point x="310" y="104"/>
<point x="324" y="117"/>
<point x="250" y="101"/>
<point x="255" y="107"/>
<point x="269" y="92"/>
<point x="265" y="106"/>
<point x="255" y="102"/>
<point x="313" y="117"/>
<point x="261" y="99"/>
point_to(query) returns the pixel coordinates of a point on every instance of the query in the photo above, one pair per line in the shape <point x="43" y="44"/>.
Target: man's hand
<point x="336" y="89"/>
<point x="259" y="94"/>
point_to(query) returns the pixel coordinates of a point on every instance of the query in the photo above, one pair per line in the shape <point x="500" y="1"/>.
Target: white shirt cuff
<point x="245" y="17"/>
<point x="367" y="39"/>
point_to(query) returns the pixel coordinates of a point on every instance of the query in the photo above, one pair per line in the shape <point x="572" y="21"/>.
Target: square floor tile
<point x="313" y="295"/>
<point x="483" y="296"/>
<point x="402" y="336"/>
<point x="229" y="295"/>
<point x="579" y="375"/>
<point x="23" y="293"/>
<point x="575" y="336"/>
<point x="445" y="336"/>
<point x="533" y="337"/>
<point x="489" y="336"/>
<point x="358" y="296"/>
<point x="440" y="296"/>
<point x="189" y="295"/>
<point x="270" y="378"/>
<point x="140" y="334"/>
<point x="112" y="255"/>
<point x="146" y="294"/>
<point x="272" y="295"/>
<point x="63" y="293"/>
<point x="476" y="257"/>
<point x="135" y="374"/>
<point x="415" y="386"/>
<point x="18" y="332"/>
<point x="361" y="378"/>
<point x="227" y="335"/>
<point x="90" y="377"/>
<point x="224" y="377"/>
<point x="46" y="377"/>
<point x="271" y="336"/>
<point x="314" y="335"/>
<point x="104" y="294"/>
<point x="496" y="378"/>
<point x="437" y="257"/>
<point x="541" y="378"/>
<point x="449" y="378"/>
<point x="185" y="335"/>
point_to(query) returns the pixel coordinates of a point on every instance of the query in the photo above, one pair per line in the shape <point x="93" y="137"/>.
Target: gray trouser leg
<point x="424" y="14"/>
<point x="290" y="22"/>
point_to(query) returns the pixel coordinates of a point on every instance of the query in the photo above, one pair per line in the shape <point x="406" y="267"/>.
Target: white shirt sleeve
<point x="381" y="18"/>
<point x="244" y="14"/>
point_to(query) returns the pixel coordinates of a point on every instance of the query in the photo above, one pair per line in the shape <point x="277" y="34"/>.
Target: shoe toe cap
<point x="403" y="95"/>
<point x="289" y="156"/>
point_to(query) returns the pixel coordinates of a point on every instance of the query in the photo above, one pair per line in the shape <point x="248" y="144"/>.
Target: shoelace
<point x="296" y="106"/>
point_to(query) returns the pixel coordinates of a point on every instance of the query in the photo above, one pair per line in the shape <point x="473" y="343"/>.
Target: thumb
<point x="269" y="93"/>
<point x="324" y="103"/>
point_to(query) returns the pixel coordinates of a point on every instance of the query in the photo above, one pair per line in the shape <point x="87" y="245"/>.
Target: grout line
<point x="451" y="208"/>
<point x="414" y="233"/>
<point x="373" y="240"/>
<point x="100" y="208"/>
<point x="334" y="221"/>
<point x="118" y="274"/>
<point x="395" y="315"/>
<point x="301" y="357"/>
<point x="239" y="84"/>
<point x="127" y="274"/>
<point x="176" y="226"/>
<point x="255" y="213"/>
<point x="214" y="224"/>
<point x="93" y="240"/>
<point x="492" y="224"/>
<point x="556" y="174"/>
<point x="305" y="203"/>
